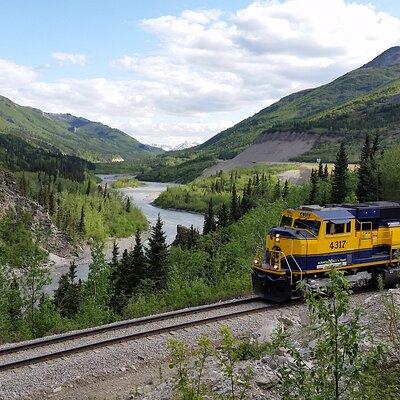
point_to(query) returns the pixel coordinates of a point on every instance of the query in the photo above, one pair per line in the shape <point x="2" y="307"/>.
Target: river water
<point x="142" y="197"/>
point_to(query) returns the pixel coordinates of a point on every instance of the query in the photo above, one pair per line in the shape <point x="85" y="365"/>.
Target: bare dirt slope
<point x="268" y="148"/>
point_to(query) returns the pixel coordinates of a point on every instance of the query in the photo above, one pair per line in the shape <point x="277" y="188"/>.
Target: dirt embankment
<point x="268" y="148"/>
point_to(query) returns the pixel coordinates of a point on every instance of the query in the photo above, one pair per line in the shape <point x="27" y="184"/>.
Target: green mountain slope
<point x="302" y="108"/>
<point x="71" y="135"/>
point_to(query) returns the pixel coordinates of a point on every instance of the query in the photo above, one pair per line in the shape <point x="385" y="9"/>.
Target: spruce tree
<point x="81" y="226"/>
<point x="320" y="170"/>
<point x="340" y="177"/>
<point x="128" y="205"/>
<point x="364" y="172"/>
<point x="277" y="191"/>
<point x="157" y="256"/>
<point x="209" y="219"/>
<point x="52" y="203"/>
<point x="326" y="173"/>
<point x="285" y="190"/>
<point x="223" y="216"/>
<point x="23" y="186"/>
<point x="136" y="274"/>
<point x="193" y="238"/>
<point x="68" y="295"/>
<point x="368" y="186"/>
<point x="235" y="206"/>
<point x="115" y="256"/>
<point x="89" y="187"/>
<point x="245" y="203"/>
<point x="312" y="199"/>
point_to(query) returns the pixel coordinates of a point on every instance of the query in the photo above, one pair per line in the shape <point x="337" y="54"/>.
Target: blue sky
<point x="169" y="71"/>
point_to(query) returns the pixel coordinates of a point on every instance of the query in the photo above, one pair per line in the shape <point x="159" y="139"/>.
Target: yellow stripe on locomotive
<point x="362" y="239"/>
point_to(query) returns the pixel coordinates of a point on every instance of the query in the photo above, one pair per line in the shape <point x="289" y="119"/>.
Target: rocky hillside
<point x="11" y="201"/>
<point x="69" y="134"/>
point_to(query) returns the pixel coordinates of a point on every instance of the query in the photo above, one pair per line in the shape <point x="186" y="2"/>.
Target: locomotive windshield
<point x="311" y="226"/>
<point x="286" y="221"/>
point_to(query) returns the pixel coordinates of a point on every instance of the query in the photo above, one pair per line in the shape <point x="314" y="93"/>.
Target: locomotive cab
<point x="363" y="238"/>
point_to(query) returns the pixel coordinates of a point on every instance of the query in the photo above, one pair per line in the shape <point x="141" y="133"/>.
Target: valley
<point x="98" y="228"/>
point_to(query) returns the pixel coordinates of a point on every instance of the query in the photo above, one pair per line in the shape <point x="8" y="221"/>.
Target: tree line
<point x="368" y="183"/>
<point x="257" y="188"/>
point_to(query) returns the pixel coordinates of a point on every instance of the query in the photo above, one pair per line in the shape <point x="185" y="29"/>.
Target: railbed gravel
<point x="42" y="380"/>
<point x="70" y="344"/>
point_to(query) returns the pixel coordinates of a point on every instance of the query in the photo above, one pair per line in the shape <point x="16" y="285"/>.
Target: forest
<point x="83" y="209"/>
<point x="198" y="267"/>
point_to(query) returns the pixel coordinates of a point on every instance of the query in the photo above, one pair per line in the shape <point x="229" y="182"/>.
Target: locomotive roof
<point x="360" y="210"/>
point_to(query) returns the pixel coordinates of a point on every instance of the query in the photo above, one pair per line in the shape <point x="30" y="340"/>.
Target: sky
<point x="171" y="71"/>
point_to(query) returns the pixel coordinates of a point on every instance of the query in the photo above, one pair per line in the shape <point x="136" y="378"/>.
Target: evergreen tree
<point x="364" y="172"/>
<point x="368" y="186"/>
<point x="235" y="206"/>
<point x="52" y="203"/>
<point x="23" y="186"/>
<point x="59" y="187"/>
<point x="277" y="191"/>
<point x="223" y="216"/>
<point x="312" y="199"/>
<point x="193" y="238"/>
<point x="285" y="190"/>
<point x="156" y="255"/>
<point x="128" y="205"/>
<point x="67" y="296"/>
<point x="136" y="274"/>
<point x="340" y="177"/>
<point x="89" y="187"/>
<point x="209" y="219"/>
<point x="320" y="170"/>
<point x="115" y="256"/>
<point x="245" y="203"/>
<point x="326" y="173"/>
<point x="81" y="226"/>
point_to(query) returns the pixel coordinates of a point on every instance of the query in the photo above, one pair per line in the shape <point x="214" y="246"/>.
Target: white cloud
<point x="212" y="69"/>
<point x="69" y="58"/>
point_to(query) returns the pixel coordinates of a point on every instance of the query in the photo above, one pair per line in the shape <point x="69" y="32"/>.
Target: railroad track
<point x="53" y="347"/>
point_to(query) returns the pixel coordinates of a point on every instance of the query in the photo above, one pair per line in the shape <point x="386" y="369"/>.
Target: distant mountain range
<point x="181" y="146"/>
<point x="69" y="134"/>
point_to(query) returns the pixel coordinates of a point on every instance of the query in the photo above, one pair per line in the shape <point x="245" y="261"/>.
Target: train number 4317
<point x="338" y="244"/>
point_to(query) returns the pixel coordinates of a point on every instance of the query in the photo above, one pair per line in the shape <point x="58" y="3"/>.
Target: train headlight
<point x="276" y="266"/>
<point x="277" y="237"/>
<point x="256" y="262"/>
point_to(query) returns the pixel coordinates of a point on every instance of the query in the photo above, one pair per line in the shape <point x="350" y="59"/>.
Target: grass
<point x="126" y="183"/>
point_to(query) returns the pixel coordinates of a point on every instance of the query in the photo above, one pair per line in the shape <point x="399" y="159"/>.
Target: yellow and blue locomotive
<point x="362" y="239"/>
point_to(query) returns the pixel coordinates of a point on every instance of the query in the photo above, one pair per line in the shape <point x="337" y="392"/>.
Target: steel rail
<point x="122" y="325"/>
<point x="138" y="335"/>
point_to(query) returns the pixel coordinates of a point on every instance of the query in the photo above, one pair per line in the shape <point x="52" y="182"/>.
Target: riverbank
<point x="142" y="197"/>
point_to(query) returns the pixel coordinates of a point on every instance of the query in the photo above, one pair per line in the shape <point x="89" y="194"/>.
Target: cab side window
<point x="334" y="229"/>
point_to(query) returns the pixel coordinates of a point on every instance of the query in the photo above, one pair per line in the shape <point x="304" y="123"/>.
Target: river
<point x="142" y="197"/>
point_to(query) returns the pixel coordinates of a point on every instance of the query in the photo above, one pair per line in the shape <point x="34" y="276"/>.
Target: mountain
<point x="181" y="146"/>
<point x="185" y="145"/>
<point x="69" y="134"/>
<point x="362" y="100"/>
